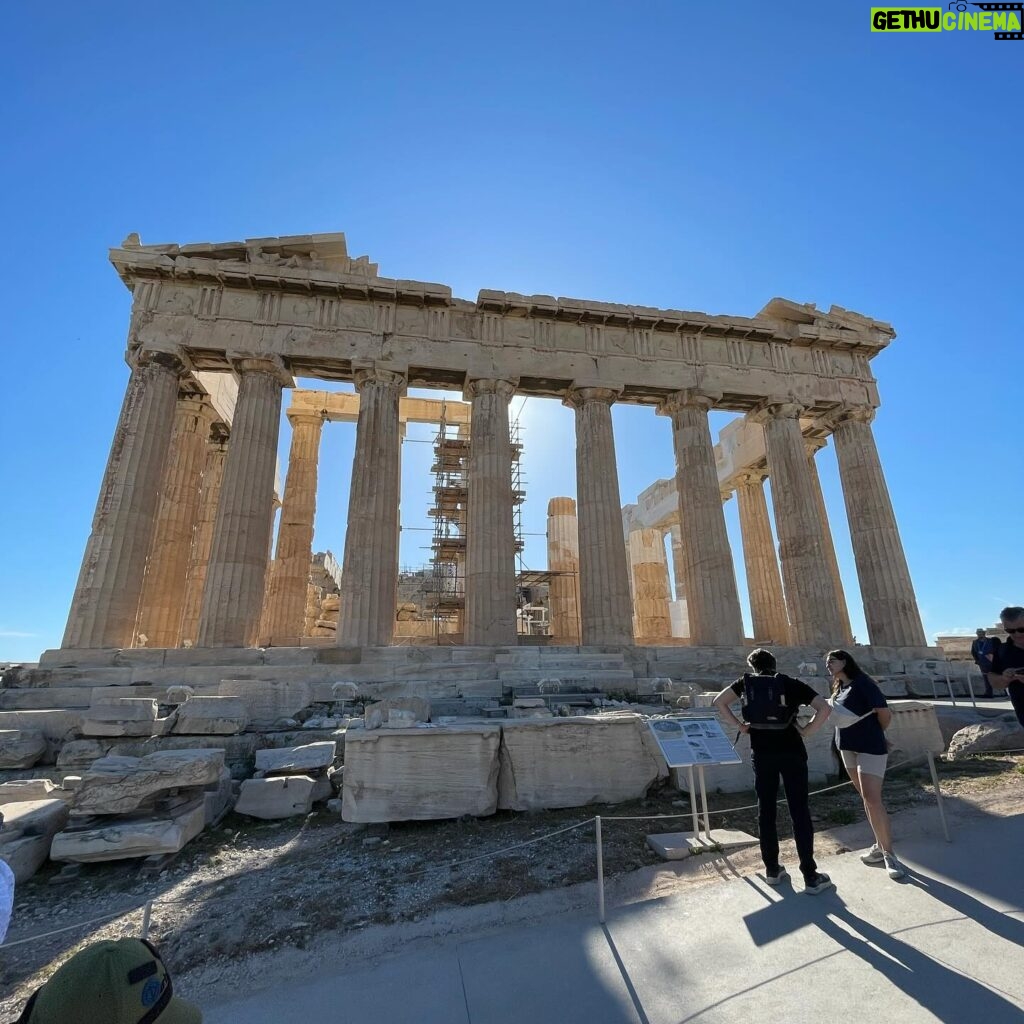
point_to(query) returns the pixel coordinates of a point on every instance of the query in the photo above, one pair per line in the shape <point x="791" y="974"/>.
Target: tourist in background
<point x="1008" y="659"/>
<point x="981" y="651"/>
<point x="860" y="704"/>
<point x="771" y="701"/>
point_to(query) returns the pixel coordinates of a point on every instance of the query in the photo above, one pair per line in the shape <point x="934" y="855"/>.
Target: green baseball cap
<point x="118" y="981"/>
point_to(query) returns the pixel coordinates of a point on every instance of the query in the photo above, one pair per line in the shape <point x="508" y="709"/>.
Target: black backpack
<point x="764" y="702"/>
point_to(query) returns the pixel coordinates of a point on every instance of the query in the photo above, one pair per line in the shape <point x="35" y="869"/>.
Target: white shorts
<point x="866" y="764"/>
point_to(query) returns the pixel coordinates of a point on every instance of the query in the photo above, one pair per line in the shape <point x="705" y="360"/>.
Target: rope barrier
<point x="71" y="927"/>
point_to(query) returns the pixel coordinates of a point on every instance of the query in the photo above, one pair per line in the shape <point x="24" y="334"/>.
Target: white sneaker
<point x="873" y="856"/>
<point x="894" y="868"/>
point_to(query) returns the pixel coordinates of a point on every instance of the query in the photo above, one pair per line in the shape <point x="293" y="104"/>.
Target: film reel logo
<point x="960" y="5"/>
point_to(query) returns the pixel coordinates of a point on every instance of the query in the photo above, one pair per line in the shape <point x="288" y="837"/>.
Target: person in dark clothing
<point x="771" y="701"/>
<point x="981" y="651"/>
<point x="1008" y="659"/>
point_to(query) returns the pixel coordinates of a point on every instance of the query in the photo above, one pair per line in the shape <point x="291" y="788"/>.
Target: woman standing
<point x="857" y="699"/>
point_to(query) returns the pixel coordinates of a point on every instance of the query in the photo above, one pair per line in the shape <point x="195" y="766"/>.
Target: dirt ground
<point x="250" y="887"/>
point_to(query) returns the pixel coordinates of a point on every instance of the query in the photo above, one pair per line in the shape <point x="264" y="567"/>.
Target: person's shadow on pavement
<point x="940" y="989"/>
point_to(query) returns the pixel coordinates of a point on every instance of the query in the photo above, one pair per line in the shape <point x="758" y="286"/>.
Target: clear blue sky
<point x="698" y="156"/>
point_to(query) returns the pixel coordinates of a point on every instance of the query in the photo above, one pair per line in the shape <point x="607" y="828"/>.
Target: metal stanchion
<point x="147" y="913"/>
<point x="600" y="870"/>
<point x="704" y="802"/>
<point x="949" y="686"/>
<point x="970" y="685"/>
<point x="938" y="795"/>
<point x="693" y="803"/>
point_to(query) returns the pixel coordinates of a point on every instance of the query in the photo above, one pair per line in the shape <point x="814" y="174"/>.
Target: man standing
<point x="1008" y="659"/>
<point x="771" y="701"/>
<point x="981" y="652"/>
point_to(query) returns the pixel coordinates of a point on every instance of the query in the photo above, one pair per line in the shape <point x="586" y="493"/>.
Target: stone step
<point x="44" y="697"/>
<point x="594" y="677"/>
<point x="572" y="661"/>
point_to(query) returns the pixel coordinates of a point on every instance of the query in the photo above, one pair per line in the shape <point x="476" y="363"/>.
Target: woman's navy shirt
<point x="860" y="696"/>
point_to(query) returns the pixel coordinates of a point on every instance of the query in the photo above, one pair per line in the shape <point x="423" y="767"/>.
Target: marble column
<point x="606" y="611"/>
<point x="890" y="606"/>
<point x="202" y="537"/>
<point x="649" y="569"/>
<point x="237" y="572"/>
<point x="712" y="600"/>
<point x="678" y="575"/>
<point x="830" y="546"/>
<point x="369" y="579"/>
<point x="163" y="592"/>
<point x="285" y="612"/>
<point x="106" y="599"/>
<point x="564" y="560"/>
<point x="814" y="618"/>
<point x="490" y="615"/>
<point x="764" y="584"/>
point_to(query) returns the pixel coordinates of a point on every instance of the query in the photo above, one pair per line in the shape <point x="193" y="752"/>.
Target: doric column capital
<point x="311" y="417"/>
<point x="364" y="376"/>
<point x="751" y="478"/>
<point x="725" y="491"/>
<point x="850" y="413"/>
<point x="502" y="387"/>
<point x="777" y="409"/>
<point x="578" y="396"/>
<point x="261" y="362"/>
<point x="813" y="445"/>
<point x="173" y="359"/>
<point x="689" y="398"/>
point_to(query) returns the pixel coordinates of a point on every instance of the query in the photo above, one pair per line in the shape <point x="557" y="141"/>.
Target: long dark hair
<point x="850" y="668"/>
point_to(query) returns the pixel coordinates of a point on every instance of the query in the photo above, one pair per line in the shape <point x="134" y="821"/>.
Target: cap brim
<point x="179" y="1011"/>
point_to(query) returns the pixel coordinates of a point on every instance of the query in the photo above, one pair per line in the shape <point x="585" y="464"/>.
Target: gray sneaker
<point x="776" y="878"/>
<point x="819" y="883"/>
<point x="893" y="867"/>
<point x="873" y="856"/>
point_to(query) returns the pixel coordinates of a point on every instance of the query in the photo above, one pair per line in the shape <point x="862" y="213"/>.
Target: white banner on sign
<point x="693" y="741"/>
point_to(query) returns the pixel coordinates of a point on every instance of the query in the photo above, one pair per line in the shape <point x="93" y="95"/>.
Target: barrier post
<point x="949" y="686"/>
<point x="147" y="913"/>
<point x="938" y="795"/>
<point x="600" y="870"/>
<point x="970" y="684"/>
<point x="693" y="802"/>
<point x="704" y="802"/>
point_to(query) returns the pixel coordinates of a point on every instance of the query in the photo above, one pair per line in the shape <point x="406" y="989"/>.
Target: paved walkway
<point x="945" y="945"/>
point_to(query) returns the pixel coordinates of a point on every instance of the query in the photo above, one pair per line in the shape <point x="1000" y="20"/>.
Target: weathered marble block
<point x="123" y="839"/>
<point x="212" y="716"/>
<point x="31" y="824"/>
<point x="20" y="748"/>
<point x="19" y="790"/>
<point x="570" y="762"/>
<point x="81" y="754"/>
<point x="296" y="760"/>
<point x="377" y="715"/>
<point x="422" y="774"/>
<point x="129" y="716"/>
<point x="281" y="797"/>
<point x="268" y="700"/>
<point x="120" y="785"/>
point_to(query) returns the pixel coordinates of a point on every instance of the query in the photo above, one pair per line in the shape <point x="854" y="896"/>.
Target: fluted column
<point x="285" y="610"/>
<point x="106" y="600"/>
<point x="490" y="617"/>
<point x="712" y="600"/>
<point x="163" y="590"/>
<point x="564" y="560"/>
<point x="678" y="575"/>
<point x="890" y="606"/>
<point x="649" y="569"/>
<point x="237" y="572"/>
<point x="202" y="537"/>
<point x="369" y="578"/>
<point x="814" y="618"/>
<point x="764" y="584"/>
<point x="606" y="611"/>
<point x="830" y="546"/>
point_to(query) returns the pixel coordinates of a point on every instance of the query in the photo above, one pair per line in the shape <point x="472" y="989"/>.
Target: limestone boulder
<point x="420" y="774"/>
<point x="281" y="797"/>
<point x="20" y="748"/>
<point x="313" y="757"/>
<point x="129" y="716"/>
<point x="572" y="762"/>
<point x="212" y="716"/>
<point x="124" y="838"/>
<point x="379" y="714"/>
<point x="1002" y="734"/>
<point x="29" y="828"/>
<point x="120" y="785"/>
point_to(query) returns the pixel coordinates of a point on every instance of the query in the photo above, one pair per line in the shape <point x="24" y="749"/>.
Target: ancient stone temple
<point x="181" y="545"/>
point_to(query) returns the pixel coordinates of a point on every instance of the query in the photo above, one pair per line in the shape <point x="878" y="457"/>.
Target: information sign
<point x="689" y="742"/>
